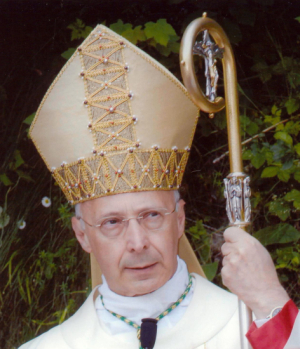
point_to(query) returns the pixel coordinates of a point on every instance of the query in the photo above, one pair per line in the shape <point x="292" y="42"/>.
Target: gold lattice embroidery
<point x="126" y="171"/>
<point x="107" y="92"/>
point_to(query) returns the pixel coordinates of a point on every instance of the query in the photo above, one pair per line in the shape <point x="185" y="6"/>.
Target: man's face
<point x="138" y="261"/>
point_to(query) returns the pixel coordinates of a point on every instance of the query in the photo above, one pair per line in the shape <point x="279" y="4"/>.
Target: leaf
<point x="159" y="31"/>
<point x="171" y="47"/>
<point x="258" y="160"/>
<point x="119" y="27"/>
<point x="79" y="30"/>
<point x="285" y="137"/>
<point x="252" y="129"/>
<point x="67" y="54"/>
<point x="284" y="176"/>
<point x="293" y="79"/>
<point x="279" y="151"/>
<point x="280" y="209"/>
<point x="268" y="154"/>
<point x="297" y="148"/>
<point x="205" y="253"/>
<point x="263" y="69"/>
<point x="29" y="119"/>
<point x="134" y="35"/>
<point x="269" y="172"/>
<point x="272" y="120"/>
<point x="297" y="175"/>
<point x="292" y="128"/>
<point x="247" y="154"/>
<point x="205" y="127"/>
<point x="18" y="160"/>
<point x="5" y="180"/>
<point x="210" y="270"/>
<point x="277" y="234"/>
<point x="256" y="199"/>
<point x="276" y="111"/>
<point x="25" y="176"/>
<point x="220" y="120"/>
<point x="77" y="24"/>
<point x="297" y="19"/>
<point x="4" y="218"/>
<point x="293" y="195"/>
<point x="279" y="127"/>
<point x="297" y="205"/>
<point x="245" y="121"/>
<point x="287" y="164"/>
<point x="292" y="105"/>
<point x="249" y="126"/>
<point x="86" y="32"/>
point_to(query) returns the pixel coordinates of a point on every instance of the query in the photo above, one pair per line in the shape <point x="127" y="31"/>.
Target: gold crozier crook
<point x="237" y="190"/>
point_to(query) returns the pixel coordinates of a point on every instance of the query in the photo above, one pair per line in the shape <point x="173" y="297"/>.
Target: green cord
<point x="163" y="314"/>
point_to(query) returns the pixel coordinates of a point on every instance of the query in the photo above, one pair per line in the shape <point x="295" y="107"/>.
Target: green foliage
<point x="210" y="270"/>
<point x="79" y="30"/>
<point x="292" y="105"/>
<point x="161" y="32"/>
<point x="29" y="119"/>
<point x="270" y="171"/>
<point x="134" y="35"/>
<point x="293" y="196"/>
<point x="65" y="213"/>
<point x="5" y="180"/>
<point x="281" y="233"/>
<point x="280" y="208"/>
<point x="288" y="258"/>
<point x="160" y="35"/>
<point x="203" y="240"/>
<point x="4" y="218"/>
<point x="67" y="54"/>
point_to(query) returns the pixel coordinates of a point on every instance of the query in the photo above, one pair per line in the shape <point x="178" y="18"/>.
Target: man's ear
<point x="180" y="217"/>
<point x="81" y="235"/>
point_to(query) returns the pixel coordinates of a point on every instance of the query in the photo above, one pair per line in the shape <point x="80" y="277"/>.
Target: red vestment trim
<point x="276" y="332"/>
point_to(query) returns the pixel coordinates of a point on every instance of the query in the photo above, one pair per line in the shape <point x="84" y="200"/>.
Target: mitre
<point x="114" y="121"/>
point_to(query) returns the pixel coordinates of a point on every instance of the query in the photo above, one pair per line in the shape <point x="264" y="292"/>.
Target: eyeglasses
<point x="113" y="226"/>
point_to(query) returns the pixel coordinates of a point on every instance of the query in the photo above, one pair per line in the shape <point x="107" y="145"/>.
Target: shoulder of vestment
<point x="48" y="340"/>
<point x="72" y="328"/>
<point x="211" y="311"/>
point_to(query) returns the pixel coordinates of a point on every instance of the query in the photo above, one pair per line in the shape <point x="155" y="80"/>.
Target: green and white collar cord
<point x="159" y="317"/>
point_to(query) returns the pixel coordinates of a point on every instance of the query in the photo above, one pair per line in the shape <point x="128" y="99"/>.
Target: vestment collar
<point x="209" y="311"/>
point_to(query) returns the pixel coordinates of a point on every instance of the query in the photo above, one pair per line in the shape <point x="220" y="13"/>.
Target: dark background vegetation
<point x="44" y="276"/>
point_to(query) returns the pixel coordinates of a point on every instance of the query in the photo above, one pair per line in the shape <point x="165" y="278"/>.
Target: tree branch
<point x="251" y="139"/>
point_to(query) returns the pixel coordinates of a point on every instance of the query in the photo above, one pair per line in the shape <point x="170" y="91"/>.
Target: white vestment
<point x="211" y="321"/>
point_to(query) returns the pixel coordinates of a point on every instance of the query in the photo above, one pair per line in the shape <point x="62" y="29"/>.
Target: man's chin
<point x="145" y="287"/>
<point x="144" y="284"/>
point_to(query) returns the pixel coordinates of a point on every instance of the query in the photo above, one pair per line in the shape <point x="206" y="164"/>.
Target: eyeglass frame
<point x="129" y="218"/>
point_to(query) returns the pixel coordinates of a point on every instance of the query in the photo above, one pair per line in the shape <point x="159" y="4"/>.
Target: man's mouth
<point x="145" y="267"/>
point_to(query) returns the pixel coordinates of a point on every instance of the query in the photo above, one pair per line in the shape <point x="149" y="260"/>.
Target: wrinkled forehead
<point x="128" y="202"/>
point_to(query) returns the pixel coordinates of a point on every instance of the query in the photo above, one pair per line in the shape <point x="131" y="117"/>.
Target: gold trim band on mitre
<point x="126" y="171"/>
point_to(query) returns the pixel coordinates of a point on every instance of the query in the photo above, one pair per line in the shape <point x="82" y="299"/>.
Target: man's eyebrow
<point x="122" y="213"/>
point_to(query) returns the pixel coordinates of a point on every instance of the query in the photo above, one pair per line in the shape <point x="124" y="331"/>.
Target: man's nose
<point x="137" y="237"/>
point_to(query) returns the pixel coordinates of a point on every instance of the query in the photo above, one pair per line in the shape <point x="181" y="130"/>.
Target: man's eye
<point x="151" y="215"/>
<point x="110" y="222"/>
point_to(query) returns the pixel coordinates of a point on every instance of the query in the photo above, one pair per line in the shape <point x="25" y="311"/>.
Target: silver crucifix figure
<point x="210" y="52"/>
